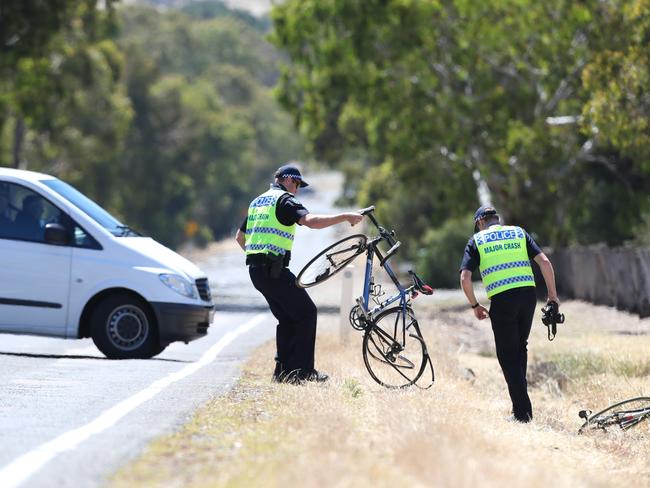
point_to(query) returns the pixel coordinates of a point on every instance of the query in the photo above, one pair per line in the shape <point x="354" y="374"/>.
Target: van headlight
<point x="179" y="284"/>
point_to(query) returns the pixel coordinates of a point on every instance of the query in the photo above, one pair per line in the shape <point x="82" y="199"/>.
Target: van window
<point x="81" y="238"/>
<point x="24" y="215"/>
<point x="86" y="205"/>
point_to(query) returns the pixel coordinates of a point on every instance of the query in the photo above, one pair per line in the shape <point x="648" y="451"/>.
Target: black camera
<point x="551" y="316"/>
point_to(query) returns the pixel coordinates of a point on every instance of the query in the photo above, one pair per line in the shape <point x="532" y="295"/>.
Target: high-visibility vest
<point x="264" y="232"/>
<point x="504" y="259"/>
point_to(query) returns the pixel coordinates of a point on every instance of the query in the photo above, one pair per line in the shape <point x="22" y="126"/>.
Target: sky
<point x="256" y="7"/>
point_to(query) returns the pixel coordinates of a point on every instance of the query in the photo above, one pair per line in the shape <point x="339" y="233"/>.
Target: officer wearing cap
<point x="502" y="253"/>
<point x="267" y="235"/>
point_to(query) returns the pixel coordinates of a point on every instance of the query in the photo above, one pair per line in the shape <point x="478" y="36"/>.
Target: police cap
<point x="482" y="212"/>
<point x="291" y="170"/>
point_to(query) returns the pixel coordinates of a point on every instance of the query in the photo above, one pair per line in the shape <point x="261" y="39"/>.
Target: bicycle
<point x="394" y="351"/>
<point x="625" y="414"/>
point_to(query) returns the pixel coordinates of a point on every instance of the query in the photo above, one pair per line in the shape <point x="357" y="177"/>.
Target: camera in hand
<point x="551" y="316"/>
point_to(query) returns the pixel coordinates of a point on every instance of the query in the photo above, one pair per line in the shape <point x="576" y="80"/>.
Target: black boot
<point x="278" y="373"/>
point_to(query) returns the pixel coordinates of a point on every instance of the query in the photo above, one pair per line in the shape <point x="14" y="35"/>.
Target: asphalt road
<point x="70" y="418"/>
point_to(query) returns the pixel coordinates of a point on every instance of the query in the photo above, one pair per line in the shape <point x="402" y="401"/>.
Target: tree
<point x="64" y="103"/>
<point x="442" y="96"/>
<point x="27" y="26"/>
<point x="204" y="118"/>
<point x="165" y="118"/>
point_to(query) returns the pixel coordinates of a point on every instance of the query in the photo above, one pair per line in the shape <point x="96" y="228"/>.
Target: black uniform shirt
<point x="288" y="212"/>
<point x="472" y="258"/>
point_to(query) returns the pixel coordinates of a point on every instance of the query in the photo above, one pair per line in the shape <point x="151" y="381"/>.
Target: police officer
<point x="503" y="253"/>
<point x="267" y="236"/>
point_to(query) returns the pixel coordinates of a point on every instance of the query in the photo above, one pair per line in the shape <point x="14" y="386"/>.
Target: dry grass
<point x="351" y="432"/>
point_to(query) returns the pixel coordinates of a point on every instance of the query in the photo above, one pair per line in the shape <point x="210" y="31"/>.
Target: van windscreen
<point x="86" y="205"/>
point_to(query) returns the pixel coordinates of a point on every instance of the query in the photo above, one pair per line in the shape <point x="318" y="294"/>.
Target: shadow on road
<point x="71" y="356"/>
<point x="234" y="307"/>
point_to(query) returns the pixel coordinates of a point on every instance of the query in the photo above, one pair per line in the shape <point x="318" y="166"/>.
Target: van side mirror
<point x="57" y="234"/>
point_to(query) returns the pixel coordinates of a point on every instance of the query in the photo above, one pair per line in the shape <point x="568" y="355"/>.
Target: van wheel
<point x="157" y="349"/>
<point x="122" y="327"/>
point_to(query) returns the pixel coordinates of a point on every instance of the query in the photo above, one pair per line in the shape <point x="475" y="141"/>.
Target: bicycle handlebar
<point x="385" y="234"/>
<point x="367" y="210"/>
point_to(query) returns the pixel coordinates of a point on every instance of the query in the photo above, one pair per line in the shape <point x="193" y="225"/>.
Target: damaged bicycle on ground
<point x="623" y="415"/>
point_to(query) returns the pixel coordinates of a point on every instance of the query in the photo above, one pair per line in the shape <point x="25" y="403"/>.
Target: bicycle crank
<point x="358" y="320"/>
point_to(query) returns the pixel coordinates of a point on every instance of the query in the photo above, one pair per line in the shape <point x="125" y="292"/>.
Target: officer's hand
<point x="553" y="299"/>
<point x="354" y="218"/>
<point x="481" y="312"/>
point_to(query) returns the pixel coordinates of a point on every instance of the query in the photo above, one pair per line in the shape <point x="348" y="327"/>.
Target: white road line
<point x="16" y="472"/>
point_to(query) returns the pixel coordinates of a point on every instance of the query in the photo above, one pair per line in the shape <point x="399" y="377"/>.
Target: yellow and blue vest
<point x="264" y="232"/>
<point x="504" y="259"/>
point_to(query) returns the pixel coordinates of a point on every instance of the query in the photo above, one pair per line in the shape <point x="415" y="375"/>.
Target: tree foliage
<point x="205" y="118"/>
<point x="164" y="116"/>
<point x="64" y="106"/>
<point x="543" y="102"/>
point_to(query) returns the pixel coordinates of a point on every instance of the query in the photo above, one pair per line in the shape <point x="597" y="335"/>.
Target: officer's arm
<point x="549" y="276"/>
<point x="315" y="221"/>
<point x="466" y="285"/>
<point x="480" y="312"/>
<point x="241" y="239"/>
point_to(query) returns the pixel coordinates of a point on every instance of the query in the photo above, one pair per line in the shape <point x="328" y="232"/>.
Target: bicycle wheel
<point x="331" y="260"/>
<point x="393" y="348"/>
<point x="625" y="414"/>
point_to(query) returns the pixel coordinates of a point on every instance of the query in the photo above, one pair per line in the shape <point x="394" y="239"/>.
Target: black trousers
<point x="296" y="314"/>
<point x="511" y="313"/>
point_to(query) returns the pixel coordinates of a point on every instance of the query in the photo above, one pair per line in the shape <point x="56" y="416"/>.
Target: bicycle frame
<point x="396" y="340"/>
<point x="625" y="419"/>
<point x="403" y="294"/>
<point x="383" y="341"/>
<point x="622" y="414"/>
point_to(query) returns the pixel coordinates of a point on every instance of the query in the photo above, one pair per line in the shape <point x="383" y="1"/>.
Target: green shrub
<point x="579" y="365"/>
<point x="439" y="258"/>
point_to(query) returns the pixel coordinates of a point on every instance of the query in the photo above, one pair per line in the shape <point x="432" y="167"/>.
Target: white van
<point x="70" y="269"/>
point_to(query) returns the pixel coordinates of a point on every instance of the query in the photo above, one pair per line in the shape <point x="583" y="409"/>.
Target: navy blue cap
<point x="482" y="212"/>
<point x="290" y="170"/>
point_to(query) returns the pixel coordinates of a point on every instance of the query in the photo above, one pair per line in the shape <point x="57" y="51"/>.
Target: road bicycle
<point x="394" y="350"/>
<point x="625" y="415"/>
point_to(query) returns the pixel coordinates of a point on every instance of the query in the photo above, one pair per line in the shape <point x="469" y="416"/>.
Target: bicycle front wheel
<point x="331" y="260"/>
<point x="624" y="414"/>
<point x="393" y="348"/>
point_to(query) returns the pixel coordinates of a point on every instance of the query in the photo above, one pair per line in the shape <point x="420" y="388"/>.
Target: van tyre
<point x="123" y="327"/>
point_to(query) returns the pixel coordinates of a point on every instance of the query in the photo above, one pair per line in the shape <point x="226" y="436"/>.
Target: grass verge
<point x="351" y="432"/>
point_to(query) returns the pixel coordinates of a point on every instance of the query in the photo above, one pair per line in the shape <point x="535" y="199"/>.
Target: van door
<point x="34" y="275"/>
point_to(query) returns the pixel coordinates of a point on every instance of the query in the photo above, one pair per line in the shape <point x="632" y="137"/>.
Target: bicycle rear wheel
<point x="331" y="260"/>
<point x="394" y="351"/>
<point x="624" y="414"/>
